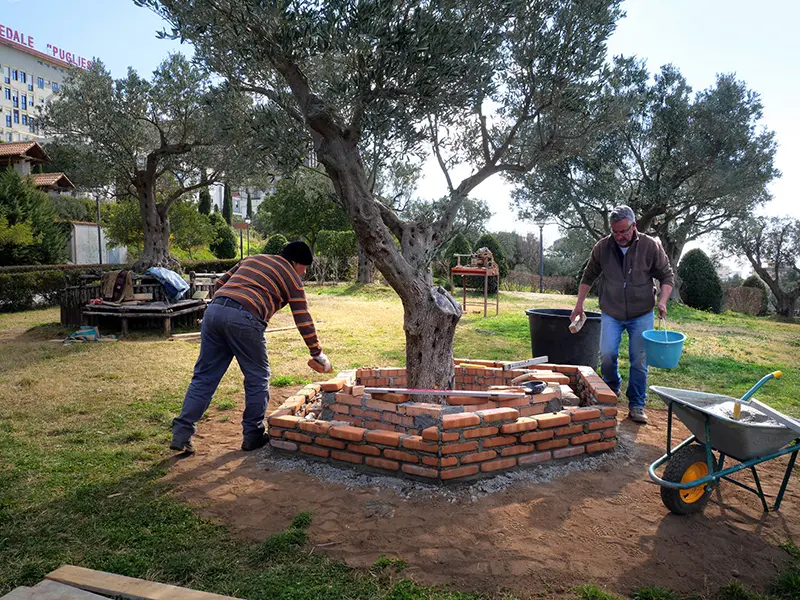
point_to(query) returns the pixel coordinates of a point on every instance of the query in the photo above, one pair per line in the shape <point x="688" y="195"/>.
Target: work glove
<point x="320" y="363"/>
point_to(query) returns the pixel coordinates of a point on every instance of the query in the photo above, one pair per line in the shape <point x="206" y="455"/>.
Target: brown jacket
<point x="626" y="287"/>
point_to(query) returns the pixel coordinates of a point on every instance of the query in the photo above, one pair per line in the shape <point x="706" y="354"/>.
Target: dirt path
<point x="606" y="526"/>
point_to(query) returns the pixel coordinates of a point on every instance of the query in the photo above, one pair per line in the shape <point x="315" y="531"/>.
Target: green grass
<point x="84" y="430"/>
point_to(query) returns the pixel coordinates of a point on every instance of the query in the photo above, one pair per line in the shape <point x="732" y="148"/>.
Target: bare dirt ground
<point x="605" y="525"/>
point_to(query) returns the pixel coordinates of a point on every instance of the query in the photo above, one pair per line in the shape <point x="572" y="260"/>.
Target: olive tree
<point x="174" y="128"/>
<point x="484" y="87"/>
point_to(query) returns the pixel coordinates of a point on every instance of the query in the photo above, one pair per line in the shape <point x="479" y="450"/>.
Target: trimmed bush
<point x="23" y="291"/>
<point x="224" y="244"/>
<point x="743" y="300"/>
<point x="700" y="286"/>
<point x="209" y="266"/>
<point x="275" y="244"/>
<point x="754" y="282"/>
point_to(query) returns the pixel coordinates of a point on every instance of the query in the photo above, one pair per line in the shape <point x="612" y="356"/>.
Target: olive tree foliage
<point x="495" y="87"/>
<point x="687" y="163"/>
<point x="772" y="247"/>
<point x="174" y="126"/>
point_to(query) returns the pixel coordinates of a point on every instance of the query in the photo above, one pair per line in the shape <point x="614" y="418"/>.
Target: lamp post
<point x="99" y="236"/>
<point x="541" y="223"/>
<point x="247" y="221"/>
<point x="241" y="245"/>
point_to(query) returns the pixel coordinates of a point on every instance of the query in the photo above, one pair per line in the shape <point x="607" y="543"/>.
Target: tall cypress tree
<point x="249" y="206"/>
<point x="227" y="205"/>
<point x="204" y="204"/>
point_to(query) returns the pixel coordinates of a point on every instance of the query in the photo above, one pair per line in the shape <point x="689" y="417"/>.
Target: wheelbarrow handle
<point x="762" y="381"/>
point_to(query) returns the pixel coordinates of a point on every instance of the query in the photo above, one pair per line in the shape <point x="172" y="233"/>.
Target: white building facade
<point x="30" y="77"/>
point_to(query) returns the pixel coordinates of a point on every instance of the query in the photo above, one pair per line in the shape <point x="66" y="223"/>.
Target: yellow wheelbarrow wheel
<point x="686" y="465"/>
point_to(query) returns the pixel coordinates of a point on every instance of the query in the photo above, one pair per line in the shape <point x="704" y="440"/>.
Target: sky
<point x="755" y="40"/>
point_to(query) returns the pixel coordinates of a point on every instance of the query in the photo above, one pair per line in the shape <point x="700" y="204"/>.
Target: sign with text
<point x="26" y="41"/>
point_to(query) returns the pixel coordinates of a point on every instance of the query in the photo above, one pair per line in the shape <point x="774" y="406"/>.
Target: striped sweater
<point x="264" y="284"/>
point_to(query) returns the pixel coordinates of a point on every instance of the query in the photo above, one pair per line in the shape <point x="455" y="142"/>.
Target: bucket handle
<point x="663" y="322"/>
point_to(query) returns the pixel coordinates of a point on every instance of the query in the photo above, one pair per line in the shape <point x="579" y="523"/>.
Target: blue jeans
<point x="610" y="337"/>
<point x="228" y="330"/>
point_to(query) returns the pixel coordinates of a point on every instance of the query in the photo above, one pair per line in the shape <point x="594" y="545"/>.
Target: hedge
<point x="209" y="266"/>
<point x="92" y="268"/>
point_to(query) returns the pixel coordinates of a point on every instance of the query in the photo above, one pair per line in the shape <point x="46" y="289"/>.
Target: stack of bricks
<point x="467" y="437"/>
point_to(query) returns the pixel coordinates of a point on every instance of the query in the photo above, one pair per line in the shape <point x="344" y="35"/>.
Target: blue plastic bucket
<point x="663" y="348"/>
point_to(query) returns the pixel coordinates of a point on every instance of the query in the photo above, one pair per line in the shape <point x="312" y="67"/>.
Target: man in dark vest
<point x="628" y="262"/>
<point x="233" y="326"/>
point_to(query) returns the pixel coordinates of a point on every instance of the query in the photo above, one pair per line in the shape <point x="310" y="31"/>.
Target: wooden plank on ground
<point x="20" y="593"/>
<point x="126" y="587"/>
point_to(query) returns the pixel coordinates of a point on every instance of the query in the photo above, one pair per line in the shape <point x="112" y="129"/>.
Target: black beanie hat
<point x="298" y="252"/>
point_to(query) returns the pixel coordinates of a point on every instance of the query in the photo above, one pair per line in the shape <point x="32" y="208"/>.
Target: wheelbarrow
<point x="742" y="429"/>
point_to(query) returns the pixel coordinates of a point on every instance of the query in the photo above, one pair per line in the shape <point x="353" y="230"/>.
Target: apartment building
<point x="30" y="78"/>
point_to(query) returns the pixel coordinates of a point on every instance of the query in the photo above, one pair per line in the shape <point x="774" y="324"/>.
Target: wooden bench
<point x="95" y="313"/>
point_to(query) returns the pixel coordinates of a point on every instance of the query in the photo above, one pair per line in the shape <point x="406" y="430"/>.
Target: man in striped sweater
<point x="233" y="326"/>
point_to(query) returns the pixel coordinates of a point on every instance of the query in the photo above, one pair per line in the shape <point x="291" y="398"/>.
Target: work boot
<point x="249" y="445"/>
<point x="186" y="447"/>
<point x="636" y="414"/>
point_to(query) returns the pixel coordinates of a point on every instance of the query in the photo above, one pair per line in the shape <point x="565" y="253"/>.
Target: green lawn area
<point x="84" y="431"/>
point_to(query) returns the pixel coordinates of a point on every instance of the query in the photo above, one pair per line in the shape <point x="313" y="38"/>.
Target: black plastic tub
<point x="551" y="337"/>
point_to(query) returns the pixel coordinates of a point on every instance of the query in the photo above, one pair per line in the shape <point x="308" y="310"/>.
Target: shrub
<point x="743" y="300"/>
<point x="754" y="282"/>
<point x="700" y="285"/>
<point x="23" y="291"/>
<point x="336" y="255"/>
<point x="209" y="266"/>
<point x="224" y="244"/>
<point x="275" y="244"/>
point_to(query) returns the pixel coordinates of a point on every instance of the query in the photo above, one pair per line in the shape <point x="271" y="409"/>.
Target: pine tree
<point x="249" y="205"/>
<point x="204" y="203"/>
<point x="227" y="205"/>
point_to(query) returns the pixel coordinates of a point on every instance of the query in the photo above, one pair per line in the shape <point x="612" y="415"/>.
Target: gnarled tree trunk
<point x="155" y="224"/>
<point x="365" y="266"/>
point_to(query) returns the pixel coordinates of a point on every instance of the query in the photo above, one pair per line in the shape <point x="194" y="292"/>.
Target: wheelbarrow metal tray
<point x="754" y="436"/>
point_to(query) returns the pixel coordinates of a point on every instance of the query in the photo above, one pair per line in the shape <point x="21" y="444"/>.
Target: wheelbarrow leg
<point x="758" y="488"/>
<point x="789" y="469"/>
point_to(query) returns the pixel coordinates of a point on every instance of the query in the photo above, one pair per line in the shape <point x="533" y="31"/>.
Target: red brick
<point x="431" y="434"/>
<point x="565" y="368"/>
<point x="316" y="427"/>
<point x="459" y="472"/>
<point x="365" y="414"/>
<point x="281" y="412"/>
<point x="512" y="402"/>
<point x="498" y="414"/>
<point x="609" y="411"/>
<point x="584" y="439"/>
<point x="535" y="436"/>
<point x="517" y="449"/>
<point x="478" y="457"/>
<point x="340" y="409"/>
<point x="389" y="397"/>
<point x="287" y="422"/>
<point x="332" y="385"/>
<point x="446" y="461"/>
<point x="567" y="452"/>
<point x="380" y="405"/>
<point x="321" y="452"/>
<point x="321" y="441"/>
<point x="290" y="446"/>
<point x="521" y="424"/>
<point x="388" y="427"/>
<point x="382" y="463"/>
<point x="609" y="434"/>
<point x="605" y="397"/>
<point x="402" y="456"/>
<point x="480" y="432"/>
<point x="553" y="378"/>
<point x="385" y="438"/>
<point x="354" y="421"/>
<point x="585" y="414"/>
<point x="550" y="444"/>
<point x="421" y="408"/>
<point x="602" y="424"/>
<point x="414" y="442"/>
<point x="460" y="420"/>
<point x="298" y="437"/>
<point x="363" y="372"/>
<point x="356" y="459"/>
<point x="532" y="459"/>
<point x="552" y="420"/>
<point x="358" y="390"/>
<point x="456" y="448"/>
<point x="342" y="398"/>
<point x="345" y="432"/>
<point x="433" y="461"/>
<point x="419" y="471"/>
<point x="502" y="440"/>
<point x="570" y="430"/>
<point x="465" y="400"/>
<point x="364" y="449"/>
<point x="389" y="417"/>
<point x="451" y="436"/>
<point x="496" y="465"/>
<point x="600" y="446"/>
<point x="529" y="411"/>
